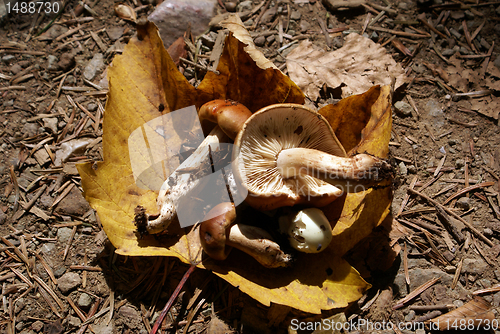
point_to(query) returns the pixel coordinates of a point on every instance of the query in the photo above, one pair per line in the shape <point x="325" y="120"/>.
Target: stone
<point x="8" y="58"/>
<point x="305" y="25"/>
<point x="96" y="64"/>
<point x="50" y="123"/>
<point x="37" y="326"/>
<point x="19" y="305"/>
<point x="84" y="301"/>
<point x="64" y="234"/>
<point x="434" y="110"/>
<point x="134" y="319"/>
<point x="68" y="282"/>
<point x="268" y="15"/>
<point x="403" y="108"/>
<point x="16" y="68"/>
<point x="103" y="328"/>
<point x="488" y="232"/>
<point x="59" y="271"/>
<point x="402" y="168"/>
<point x="412" y="169"/>
<point x="73" y="204"/>
<point x="30" y="129"/>
<point x="419" y="276"/>
<point x="457" y="15"/>
<point x="67" y="61"/>
<point x="296" y="15"/>
<point x="463" y="203"/>
<point x="410" y="316"/>
<point x="52" y="63"/>
<point x="474" y="266"/>
<point x="455" y="33"/>
<point x="115" y="32"/>
<point x="459" y="163"/>
<point x="74" y="322"/>
<point x="230" y="6"/>
<point x="469" y="15"/>
<point x="448" y="52"/>
<point x="260" y="41"/>
<point x="48" y="248"/>
<point x="402" y="5"/>
<point x="173" y="17"/>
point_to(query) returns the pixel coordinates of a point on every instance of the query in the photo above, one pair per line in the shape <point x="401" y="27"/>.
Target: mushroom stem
<point x="230" y="116"/>
<point x="364" y="169"/>
<point x="180" y="182"/>
<point x="257" y="243"/>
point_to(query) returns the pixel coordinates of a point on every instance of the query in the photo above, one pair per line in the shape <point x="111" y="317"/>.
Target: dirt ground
<point x="48" y="96"/>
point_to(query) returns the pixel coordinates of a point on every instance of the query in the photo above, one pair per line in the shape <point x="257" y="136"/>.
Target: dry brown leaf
<point x="474" y="315"/>
<point x="357" y="66"/>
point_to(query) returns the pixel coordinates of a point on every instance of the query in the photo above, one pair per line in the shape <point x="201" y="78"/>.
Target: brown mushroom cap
<point x="263" y="136"/>
<point x="214" y="232"/>
<point x="229" y="115"/>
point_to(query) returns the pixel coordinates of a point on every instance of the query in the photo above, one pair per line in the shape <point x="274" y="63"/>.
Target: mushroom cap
<point x="215" y="231"/>
<point x="263" y="136"/>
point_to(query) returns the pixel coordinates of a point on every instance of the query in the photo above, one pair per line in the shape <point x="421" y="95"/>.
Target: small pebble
<point x="459" y="163"/>
<point x="469" y="15"/>
<point x="410" y="316"/>
<point x="260" y="41"/>
<point x="16" y="68"/>
<point x="92" y="106"/>
<point x="464" y="203"/>
<point x="412" y="169"/>
<point x="403" y="5"/>
<point x="458" y="303"/>
<point x="8" y="58"/>
<point x="230" y="6"/>
<point x="296" y="15"/>
<point x="84" y="301"/>
<point x="488" y="232"/>
<point x="457" y="15"/>
<point x="403" y="108"/>
<point x="402" y="168"/>
<point x="448" y="52"/>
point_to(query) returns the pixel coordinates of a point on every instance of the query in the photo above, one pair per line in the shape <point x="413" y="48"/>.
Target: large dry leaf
<point x="362" y="124"/>
<point x="144" y="84"/>
<point x="355" y="67"/>
<point x="474" y="315"/>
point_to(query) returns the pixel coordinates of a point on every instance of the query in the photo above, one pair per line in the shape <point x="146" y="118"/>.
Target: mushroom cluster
<point x="284" y="155"/>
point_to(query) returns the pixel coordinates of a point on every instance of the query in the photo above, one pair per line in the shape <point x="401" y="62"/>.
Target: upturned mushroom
<point x="288" y="154"/>
<point x="219" y="234"/>
<point x="229" y="117"/>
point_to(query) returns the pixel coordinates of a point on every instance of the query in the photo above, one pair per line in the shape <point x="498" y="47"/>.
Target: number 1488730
<point x="32" y="7"/>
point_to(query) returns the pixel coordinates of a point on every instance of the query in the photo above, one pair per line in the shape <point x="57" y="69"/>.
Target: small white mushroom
<point x="308" y="230"/>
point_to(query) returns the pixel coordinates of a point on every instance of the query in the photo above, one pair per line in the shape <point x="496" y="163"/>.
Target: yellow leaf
<point x="144" y="84"/>
<point x="362" y="123"/>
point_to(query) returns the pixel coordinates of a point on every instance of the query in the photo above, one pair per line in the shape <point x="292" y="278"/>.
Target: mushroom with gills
<point x="229" y="117"/>
<point x="219" y="234"/>
<point x="288" y="154"/>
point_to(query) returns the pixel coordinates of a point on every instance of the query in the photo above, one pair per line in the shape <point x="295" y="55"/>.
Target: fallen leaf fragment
<point x="475" y="314"/>
<point x="125" y="12"/>
<point x="355" y="67"/>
